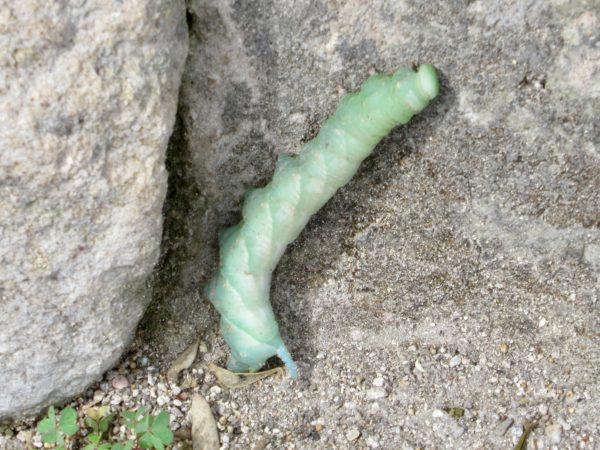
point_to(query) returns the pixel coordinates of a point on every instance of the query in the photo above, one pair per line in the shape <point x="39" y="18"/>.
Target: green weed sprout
<point x="53" y="431"/>
<point x="151" y="432"/>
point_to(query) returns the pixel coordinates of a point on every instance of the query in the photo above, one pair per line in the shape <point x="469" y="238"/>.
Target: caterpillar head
<point x="428" y="80"/>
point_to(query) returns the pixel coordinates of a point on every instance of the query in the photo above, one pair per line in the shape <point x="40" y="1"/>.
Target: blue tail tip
<point x="285" y="356"/>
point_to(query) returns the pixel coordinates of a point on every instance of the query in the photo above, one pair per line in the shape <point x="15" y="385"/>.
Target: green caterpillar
<point x="273" y="216"/>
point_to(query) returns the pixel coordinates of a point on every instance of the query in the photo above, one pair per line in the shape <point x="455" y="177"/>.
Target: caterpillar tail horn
<point x="284" y="355"/>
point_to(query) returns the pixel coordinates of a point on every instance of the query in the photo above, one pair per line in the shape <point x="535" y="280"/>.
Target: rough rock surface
<point x="450" y="292"/>
<point x="88" y="93"/>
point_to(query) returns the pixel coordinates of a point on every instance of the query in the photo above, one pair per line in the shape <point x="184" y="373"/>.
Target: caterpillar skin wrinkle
<point x="273" y="216"/>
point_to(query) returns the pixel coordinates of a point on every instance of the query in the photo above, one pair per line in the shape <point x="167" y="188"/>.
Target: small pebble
<point x="120" y="382"/>
<point x="516" y="431"/>
<point x="554" y="433"/>
<point x="455" y="361"/>
<point x="376" y="393"/>
<point x="162" y="400"/>
<point x="503" y="427"/>
<point x="378" y="382"/>
<point x="98" y="396"/>
<point x="437" y="413"/>
<point x="142" y="361"/>
<point x="176" y="412"/>
<point x="458" y="432"/>
<point x="352" y="434"/>
<point x="372" y="442"/>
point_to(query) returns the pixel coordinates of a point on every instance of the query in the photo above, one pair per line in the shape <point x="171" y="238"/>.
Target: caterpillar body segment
<point x="274" y="215"/>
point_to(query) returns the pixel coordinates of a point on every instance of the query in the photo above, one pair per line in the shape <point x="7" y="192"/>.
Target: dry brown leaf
<point x="204" y="428"/>
<point x="184" y="361"/>
<point x="231" y="380"/>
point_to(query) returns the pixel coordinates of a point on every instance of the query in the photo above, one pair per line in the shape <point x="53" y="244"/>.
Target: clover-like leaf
<point x="161" y="429"/>
<point x="132" y="418"/>
<point x="94" y="438"/>
<point x="148" y="441"/>
<point x="142" y="425"/>
<point x="50" y="437"/>
<point x="47" y="428"/>
<point x="105" y="423"/>
<point x="91" y="423"/>
<point x="127" y="446"/>
<point x="68" y="422"/>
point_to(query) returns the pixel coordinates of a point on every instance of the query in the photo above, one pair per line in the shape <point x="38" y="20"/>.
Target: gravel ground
<point x="418" y="400"/>
<point x="133" y="383"/>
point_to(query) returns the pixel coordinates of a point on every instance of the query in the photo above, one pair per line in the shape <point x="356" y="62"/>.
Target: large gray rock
<point x="460" y="268"/>
<point x="88" y="93"/>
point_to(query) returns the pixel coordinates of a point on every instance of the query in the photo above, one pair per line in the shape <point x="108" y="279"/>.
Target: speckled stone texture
<point x="88" y="94"/>
<point x="459" y="269"/>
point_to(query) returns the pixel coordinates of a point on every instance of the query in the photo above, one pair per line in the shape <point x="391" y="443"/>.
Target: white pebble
<point x="372" y="442"/>
<point x="437" y="413"/>
<point x="352" y="434"/>
<point x="455" y="361"/>
<point x="176" y="412"/>
<point x="376" y="393"/>
<point x="162" y="400"/>
<point x="554" y="433"/>
<point x="379" y="382"/>
<point x="458" y="432"/>
<point x="98" y="396"/>
<point x="516" y="431"/>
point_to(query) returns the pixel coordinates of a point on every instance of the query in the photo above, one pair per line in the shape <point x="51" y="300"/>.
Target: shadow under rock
<point x="178" y="313"/>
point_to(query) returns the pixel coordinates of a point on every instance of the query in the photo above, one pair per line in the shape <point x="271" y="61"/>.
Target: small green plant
<point x="98" y="420"/>
<point x="147" y="431"/>
<point x="53" y="431"/>
<point x="153" y="431"/>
